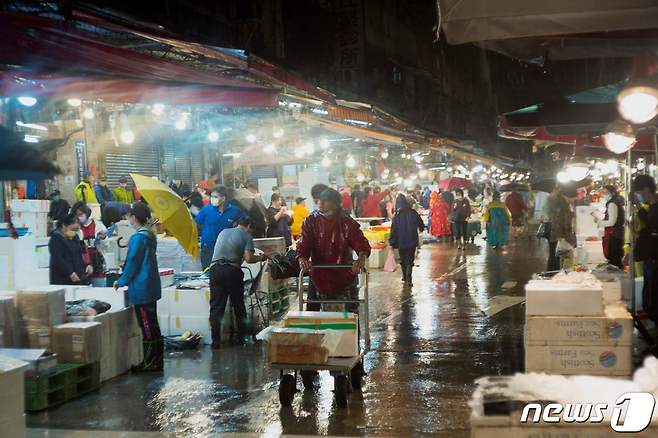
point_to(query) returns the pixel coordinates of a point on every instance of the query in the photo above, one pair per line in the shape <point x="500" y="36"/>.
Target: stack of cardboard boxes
<point x="8" y="322"/>
<point x="572" y="329"/>
<point x="39" y="309"/>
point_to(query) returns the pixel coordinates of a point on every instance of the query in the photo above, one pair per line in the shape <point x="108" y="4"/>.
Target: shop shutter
<point x="143" y="159"/>
<point x="258" y="172"/>
<point x="186" y="165"/>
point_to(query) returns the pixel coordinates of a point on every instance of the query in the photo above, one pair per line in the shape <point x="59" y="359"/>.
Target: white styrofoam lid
<point x="42" y="290"/>
<point x="8" y="364"/>
<point x="80" y="325"/>
<point x="547" y="286"/>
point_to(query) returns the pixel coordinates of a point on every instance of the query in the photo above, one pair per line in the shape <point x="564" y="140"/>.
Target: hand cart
<point x="347" y="371"/>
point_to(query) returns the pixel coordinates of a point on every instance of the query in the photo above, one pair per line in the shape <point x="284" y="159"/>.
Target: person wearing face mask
<point x="279" y="220"/>
<point x="90" y="233"/>
<point x="646" y="243"/>
<point x="213" y="219"/>
<point x="58" y="207"/>
<point x="102" y="192"/>
<point x="613" y="226"/>
<point x="84" y="191"/>
<point x="461" y="212"/>
<point x="141" y="276"/>
<point x="122" y="194"/>
<point x="67" y="264"/>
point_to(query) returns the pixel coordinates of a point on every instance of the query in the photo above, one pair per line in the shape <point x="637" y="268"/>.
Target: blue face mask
<point x="639" y="197"/>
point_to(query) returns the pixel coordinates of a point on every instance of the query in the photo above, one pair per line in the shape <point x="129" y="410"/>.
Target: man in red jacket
<point x="328" y="238"/>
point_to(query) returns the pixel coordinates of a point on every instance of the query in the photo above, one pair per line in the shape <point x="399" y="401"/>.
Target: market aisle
<point x="429" y="344"/>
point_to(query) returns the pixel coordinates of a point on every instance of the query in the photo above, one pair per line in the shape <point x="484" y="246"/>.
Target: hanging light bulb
<point x="180" y="124"/>
<point x="384" y="154"/>
<point x="127" y="137"/>
<point x="309" y="148"/>
<point x="350" y="162"/>
<point x="324" y="143"/>
<point x="213" y="136"/>
<point x="326" y="162"/>
<point x="422" y="173"/>
<point x="74" y="102"/>
<point x="577" y="169"/>
<point x="299" y="152"/>
<point x="563" y="177"/>
<point x="619" y="138"/>
<point x="638" y="104"/>
<point x="278" y="133"/>
<point x="360" y="177"/>
<point x="251" y="138"/>
<point x="269" y="148"/>
<point x="88" y="113"/>
<point x="27" y="100"/>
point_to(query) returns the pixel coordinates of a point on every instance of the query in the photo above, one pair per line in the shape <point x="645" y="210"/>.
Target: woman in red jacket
<point x="372" y="200"/>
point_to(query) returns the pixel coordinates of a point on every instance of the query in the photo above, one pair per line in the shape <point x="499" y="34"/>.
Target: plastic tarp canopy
<point x="468" y="21"/>
<point x="40" y="45"/>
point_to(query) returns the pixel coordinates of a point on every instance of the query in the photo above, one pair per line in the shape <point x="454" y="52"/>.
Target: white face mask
<point x="82" y="219"/>
<point x="214" y="201"/>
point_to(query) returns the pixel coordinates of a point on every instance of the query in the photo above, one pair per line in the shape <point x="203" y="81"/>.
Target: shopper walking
<point x="406" y="225"/>
<point x="84" y="191"/>
<point x="213" y="219"/>
<point x="517" y="208"/>
<point x="279" y="220"/>
<point x="498" y="220"/>
<point x="613" y="226"/>
<point x="67" y="264"/>
<point x="346" y="195"/>
<point x="439" y="214"/>
<point x="122" y="194"/>
<point x="277" y="191"/>
<point x="59" y="207"/>
<point x="312" y="293"/>
<point x="234" y="245"/>
<point x="91" y="232"/>
<point x="141" y="276"/>
<point x="557" y="213"/>
<point x="299" y="214"/>
<point x="462" y="212"/>
<point x="646" y="245"/>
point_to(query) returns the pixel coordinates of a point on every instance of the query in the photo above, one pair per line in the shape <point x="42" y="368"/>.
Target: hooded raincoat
<point x="406" y="225"/>
<point x="141" y="273"/>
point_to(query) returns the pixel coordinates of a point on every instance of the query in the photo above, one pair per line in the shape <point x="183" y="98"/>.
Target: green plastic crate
<point x="67" y="382"/>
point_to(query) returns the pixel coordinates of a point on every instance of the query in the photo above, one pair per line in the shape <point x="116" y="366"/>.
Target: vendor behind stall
<point x="233" y="246"/>
<point x="90" y="233"/>
<point x="67" y="264"/>
<point x="142" y="277"/>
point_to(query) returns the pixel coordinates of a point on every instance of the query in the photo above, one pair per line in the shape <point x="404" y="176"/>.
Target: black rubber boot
<point x="153" y="356"/>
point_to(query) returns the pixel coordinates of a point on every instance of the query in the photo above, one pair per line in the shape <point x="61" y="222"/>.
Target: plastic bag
<point x="563" y="246"/>
<point x="391" y="265"/>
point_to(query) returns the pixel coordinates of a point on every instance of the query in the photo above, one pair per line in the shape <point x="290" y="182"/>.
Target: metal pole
<point x="630" y="212"/>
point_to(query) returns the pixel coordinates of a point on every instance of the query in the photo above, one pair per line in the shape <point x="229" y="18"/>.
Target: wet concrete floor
<point x="429" y="343"/>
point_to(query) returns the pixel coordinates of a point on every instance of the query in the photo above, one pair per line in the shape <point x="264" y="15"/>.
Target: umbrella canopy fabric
<point x="455" y="183"/>
<point x="171" y="210"/>
<point x="247" y="200"/>
<point x="514" y="187"/>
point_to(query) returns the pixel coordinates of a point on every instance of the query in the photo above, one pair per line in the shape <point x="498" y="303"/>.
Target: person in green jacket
<point x="84" y="191"/>
<point x="122" y="194"/>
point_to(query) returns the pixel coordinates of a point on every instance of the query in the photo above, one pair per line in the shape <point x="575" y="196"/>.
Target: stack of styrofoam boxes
<point x="31" y="214"/>
<point x="570" y="331"/>
<point x="189" y="310"/>
<point x="171" y="255"/>
<point x="39" y="309"/>
<point x="12" y="397"/>
<point x="377" y="258"/>
<point x="23" y="260"/>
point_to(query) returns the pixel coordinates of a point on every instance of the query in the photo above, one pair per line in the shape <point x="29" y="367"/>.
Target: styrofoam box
<point x="189" y="302"/>
<point x="377" y="258"/>
<point x="547" y="298"/>
<point x="164" y="321"/>
<point x="583" y="359"/>
<point x="164" y="303"/>
<point x="615" y="328"/>
<point x="271" y="245"/>
<point x="31" y="205"/>
<point x="195" y="324"/>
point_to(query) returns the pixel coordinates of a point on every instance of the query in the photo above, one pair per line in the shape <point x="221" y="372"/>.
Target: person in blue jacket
<point x="141" y="276"/>
<point x="406" y="225"/>
<point x="215" y="218"/>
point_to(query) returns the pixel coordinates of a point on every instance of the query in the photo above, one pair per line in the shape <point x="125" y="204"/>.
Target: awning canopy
<point x="468" y="21"/>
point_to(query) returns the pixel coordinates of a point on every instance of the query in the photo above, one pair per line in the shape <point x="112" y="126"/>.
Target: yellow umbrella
<point x="171" y="210"/>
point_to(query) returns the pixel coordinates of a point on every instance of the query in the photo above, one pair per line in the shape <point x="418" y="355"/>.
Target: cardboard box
<point x="293" y="346"/>
<point x="271" y="245"/>
<point x="547" y="298"/>
<point x="346" y="323"/>
<point x="77" y="342"/>
<point x="377" y="258"/>
<point x="30" y="205"/>
<point x="42" y="306"/>
<point x="8" y="322"/>
<point x="615" y="328"/>
<point x="33" y="336"/>
<point x="601" y="360"/>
